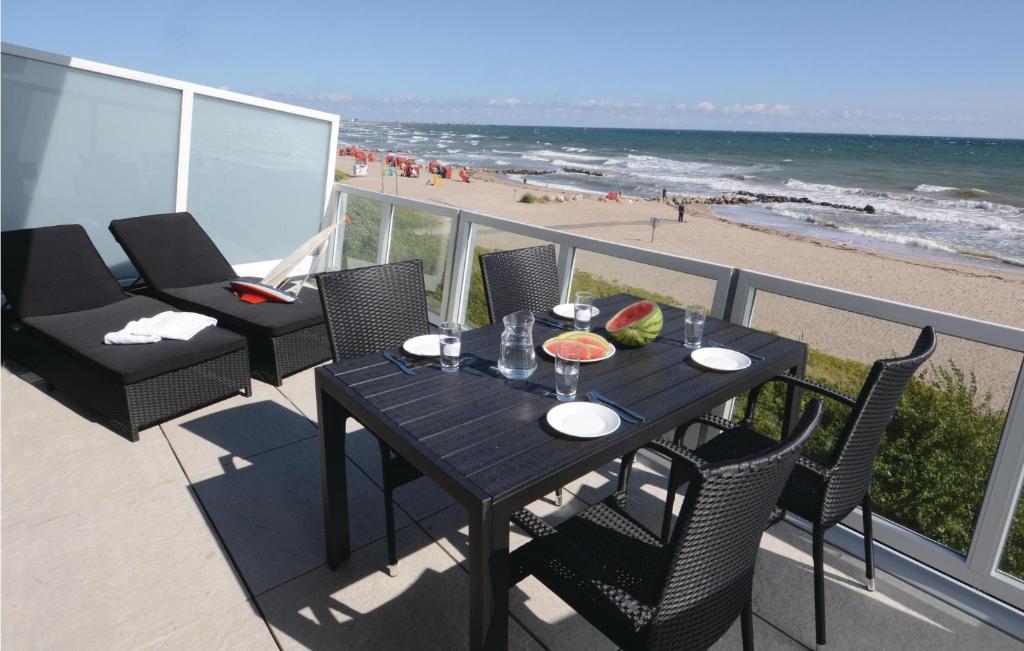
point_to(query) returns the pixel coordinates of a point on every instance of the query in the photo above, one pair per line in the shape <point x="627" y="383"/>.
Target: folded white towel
<point x="125" y="336"/>
<point x="166" y="325"/>
<point x="173" y="325"/>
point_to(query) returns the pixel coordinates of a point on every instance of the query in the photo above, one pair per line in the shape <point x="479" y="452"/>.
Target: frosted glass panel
<point x="80" y="147"/>
<point x="256" y="177"/>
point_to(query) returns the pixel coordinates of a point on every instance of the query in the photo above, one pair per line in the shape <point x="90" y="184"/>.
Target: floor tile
<point x="895" y="616"/>
<point x="269" y="511"/>
<point x="134" y="568"/>
<point x="239" y="628"/>
<point x="359" y="607"/>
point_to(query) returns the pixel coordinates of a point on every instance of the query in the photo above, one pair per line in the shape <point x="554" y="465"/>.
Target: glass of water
<point x="451" y="346"/>
<point x="567" y="372"/>
<point x="582" y="310"/>
<point x="694" y="325"/>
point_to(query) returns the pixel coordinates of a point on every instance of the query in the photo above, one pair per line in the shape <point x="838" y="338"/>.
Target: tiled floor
<point x="207" y="534"/>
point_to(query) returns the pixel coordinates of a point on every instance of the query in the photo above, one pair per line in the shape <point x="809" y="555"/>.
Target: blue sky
<point x="940" y="67"/>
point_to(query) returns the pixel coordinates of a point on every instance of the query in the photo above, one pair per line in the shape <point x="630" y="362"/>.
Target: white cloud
<point x="758" y="109"/>
<point x="680" y="107"/>
<point x="510" y="102"/>
<point x="705" y="106"/>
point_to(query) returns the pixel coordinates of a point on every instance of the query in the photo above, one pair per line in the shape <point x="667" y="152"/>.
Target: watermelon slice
<point x="636" y="325"/>
<point x="591" y="347"/>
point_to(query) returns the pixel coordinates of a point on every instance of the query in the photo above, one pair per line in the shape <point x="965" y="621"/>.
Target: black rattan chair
<point x="183" y="267"/>
<point x="521" y="279"/>
<point x="683" y="594"/>
<point x="825" y="493"/>
<point x="371" y="309"/>
<point x="62" y="300"/>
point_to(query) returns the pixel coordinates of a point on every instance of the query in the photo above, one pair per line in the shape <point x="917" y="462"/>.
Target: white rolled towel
<point x="166" y="325"/>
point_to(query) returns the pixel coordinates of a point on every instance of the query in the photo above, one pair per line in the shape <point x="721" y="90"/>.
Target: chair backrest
<point x="853" y="458"/>
<point x="715" y="543"/>
<point x="171" y="250"/>
<point x="373" y="308"/>
<point x="53" y="270"/>
<point x="521" y="279"/>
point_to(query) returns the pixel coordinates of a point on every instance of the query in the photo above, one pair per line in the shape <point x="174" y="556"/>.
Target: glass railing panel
<point x="419" y="234"/>
<point x="86" y="148"/>
<point x="362" y="232"/>
<point x="934" y="464"/>
<point x="256" y="177"/>
<point x="606" y="276"/>
<point x="1012" y="562"/>
<point x="489" y="240"/>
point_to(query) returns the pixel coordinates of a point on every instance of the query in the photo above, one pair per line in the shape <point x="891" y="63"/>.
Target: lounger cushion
<point x="171" y="250"/>
<point x="253" y="320"/>
<point x="54" y="269"/>
<point x="81" y="334"/>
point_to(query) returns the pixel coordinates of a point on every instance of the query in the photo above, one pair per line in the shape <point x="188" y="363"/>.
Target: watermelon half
<point x="636" y="325"/>
<point x="591" y="347"/>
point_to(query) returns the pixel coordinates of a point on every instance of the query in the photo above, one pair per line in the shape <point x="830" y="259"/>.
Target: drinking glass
<point x="694" y="325"/>
<point x="451" y="346"/>
<point x="582" y="310"/>
<point x="567" y="372"/>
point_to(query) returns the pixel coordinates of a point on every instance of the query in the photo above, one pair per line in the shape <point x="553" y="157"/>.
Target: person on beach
<point x="664" y="195"/>
<point x="682" y="213"/>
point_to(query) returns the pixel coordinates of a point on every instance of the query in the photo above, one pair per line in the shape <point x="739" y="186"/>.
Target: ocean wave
<point x="548" y="154"/>
<point x="500" y="162"/>
<point x="573" y="163"/>
<point x="924" y="187"/>
<point x="822" y="219"/>
<point x="966" y="193"/>
<point x="575" y="149"/>
<point x="986" y="215"/>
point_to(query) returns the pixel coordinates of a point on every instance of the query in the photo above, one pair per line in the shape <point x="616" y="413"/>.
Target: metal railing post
<point x="566" y="262"/>
<point x="458" y="272"/>
<point x="1001" y="495"/>
<point x="387" y="217"/>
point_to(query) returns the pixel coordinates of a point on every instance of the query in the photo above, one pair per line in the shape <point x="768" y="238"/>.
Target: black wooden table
<point x="483" y="438"/>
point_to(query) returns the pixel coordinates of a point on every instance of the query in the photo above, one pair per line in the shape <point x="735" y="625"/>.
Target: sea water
<point x="940" y="197"/>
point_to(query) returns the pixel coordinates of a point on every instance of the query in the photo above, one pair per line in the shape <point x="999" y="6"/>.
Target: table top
<point x="488" y="435"/>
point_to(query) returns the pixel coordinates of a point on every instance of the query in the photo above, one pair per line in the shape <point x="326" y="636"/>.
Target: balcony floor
<point x="207" y="534"/>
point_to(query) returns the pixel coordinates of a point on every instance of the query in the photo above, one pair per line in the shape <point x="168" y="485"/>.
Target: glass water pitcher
<point x="517" y="359"/>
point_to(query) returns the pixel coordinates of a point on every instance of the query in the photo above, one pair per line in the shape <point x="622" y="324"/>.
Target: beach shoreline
<point x="974" y="291"/>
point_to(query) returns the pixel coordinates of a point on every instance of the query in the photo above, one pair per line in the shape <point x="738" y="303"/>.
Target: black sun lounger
<point x="183" y="267"/>
<point x="61" y="301"/>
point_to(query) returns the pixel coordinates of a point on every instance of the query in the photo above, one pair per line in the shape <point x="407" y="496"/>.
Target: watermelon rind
<point x="639" y="332"/>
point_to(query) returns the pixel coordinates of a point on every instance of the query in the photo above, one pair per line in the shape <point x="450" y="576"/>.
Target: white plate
<point x="720" y="359"/>
<point x="583" y="420"/>
<point x="423" y="346"/>
<point x="568" y="311"/>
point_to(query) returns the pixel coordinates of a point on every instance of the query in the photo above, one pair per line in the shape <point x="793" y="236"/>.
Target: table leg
<point x="791" y="413"/>
<point x="488" y="578"/>
<point x="333" y="477"/>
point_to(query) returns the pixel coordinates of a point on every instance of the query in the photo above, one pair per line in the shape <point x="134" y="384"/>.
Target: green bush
<point x="340" y="176"/>
<point x="529" y="197"/>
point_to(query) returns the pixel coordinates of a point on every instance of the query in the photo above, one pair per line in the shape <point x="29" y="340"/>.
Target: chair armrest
<point x="813" y="466"/>
<point x="676" y="453"/>
<point x="821" y="389"/>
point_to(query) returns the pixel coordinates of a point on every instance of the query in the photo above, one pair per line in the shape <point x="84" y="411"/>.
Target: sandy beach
<point x="978" y="292"/>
